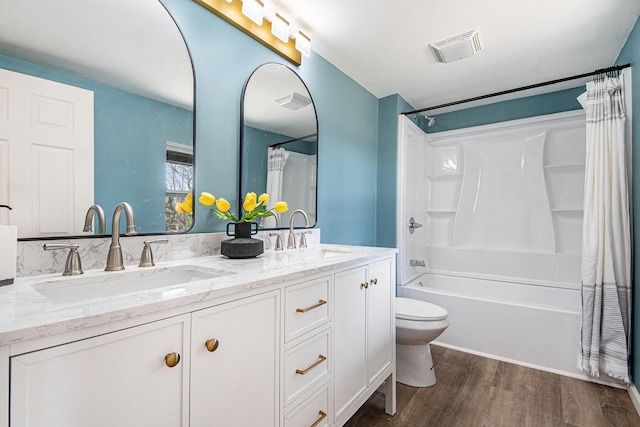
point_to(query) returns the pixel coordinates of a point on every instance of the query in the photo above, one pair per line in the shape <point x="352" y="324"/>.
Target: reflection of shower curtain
<point x="606" y="247"/>
<point x="275" y="176"/>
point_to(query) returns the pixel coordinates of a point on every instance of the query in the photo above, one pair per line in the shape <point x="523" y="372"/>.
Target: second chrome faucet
<point x="292" y="240"/>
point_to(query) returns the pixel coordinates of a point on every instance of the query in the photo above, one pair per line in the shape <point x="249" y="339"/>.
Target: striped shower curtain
<point x="606" y="235"/>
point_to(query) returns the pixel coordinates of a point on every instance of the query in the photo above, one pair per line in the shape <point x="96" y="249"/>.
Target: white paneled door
<point x="46" y="155"/>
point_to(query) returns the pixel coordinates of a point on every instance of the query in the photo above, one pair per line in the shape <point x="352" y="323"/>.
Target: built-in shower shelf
<point x="561" y="167"/>
<point x="441" y="176"/>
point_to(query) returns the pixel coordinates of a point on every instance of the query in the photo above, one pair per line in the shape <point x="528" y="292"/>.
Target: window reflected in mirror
<point x="178" y="183"/>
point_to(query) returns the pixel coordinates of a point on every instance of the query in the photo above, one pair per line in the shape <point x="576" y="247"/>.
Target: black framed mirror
<point x="132" y="62"/>
<point x="279" y="143"/>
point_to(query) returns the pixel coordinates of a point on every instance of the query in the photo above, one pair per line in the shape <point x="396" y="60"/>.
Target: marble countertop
<point x="26" y="313"/>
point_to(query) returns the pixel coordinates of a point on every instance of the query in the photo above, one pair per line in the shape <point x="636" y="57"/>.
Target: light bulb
<point x="280" y="28"/>
<point x="303" y="43"/>
<point x="252" y="9"/>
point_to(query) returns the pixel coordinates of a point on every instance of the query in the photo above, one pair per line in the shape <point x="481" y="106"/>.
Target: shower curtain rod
<point x="278" y="144"/>
<point x="504" y="92"/>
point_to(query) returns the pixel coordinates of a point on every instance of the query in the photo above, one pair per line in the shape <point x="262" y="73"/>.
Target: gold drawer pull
<point x="304" y="310"/>
<point x="364" y="285"/>
<point x="172" y="359"/>
<point x="321" y="359"/>
<point x="374" y="281"/>
<point x="212" y="344"/>
<point x="319" y="420"/>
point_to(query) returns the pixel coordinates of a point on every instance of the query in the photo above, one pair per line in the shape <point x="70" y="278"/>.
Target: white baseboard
<point x="635" y="396"/>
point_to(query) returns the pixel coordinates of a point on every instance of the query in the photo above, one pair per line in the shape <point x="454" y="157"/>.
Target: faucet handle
<point x="73" y="265"/>
<point x="303" y="240"/>
<point x="146" y="258"/>
<point x="278" y="246"/>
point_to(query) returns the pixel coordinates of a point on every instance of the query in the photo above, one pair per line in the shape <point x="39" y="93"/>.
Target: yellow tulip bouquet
<point x="254" y="207"/>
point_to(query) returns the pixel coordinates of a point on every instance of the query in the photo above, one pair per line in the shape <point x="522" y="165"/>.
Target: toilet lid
<point x="413" y="309"/>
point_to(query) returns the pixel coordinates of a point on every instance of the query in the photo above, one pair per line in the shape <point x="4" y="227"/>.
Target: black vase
<point x="242" y="245"/>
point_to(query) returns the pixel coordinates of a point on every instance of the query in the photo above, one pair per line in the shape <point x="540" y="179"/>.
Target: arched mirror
<point x="279" y="142"/>
<point x="107" y="92"/>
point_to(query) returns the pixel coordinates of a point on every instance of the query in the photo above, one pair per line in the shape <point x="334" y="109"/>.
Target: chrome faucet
<point x="114" y="258"/>
<point x="292" y="240"/>
<point x="278" y="245"/>
<point x="88" y="220"/>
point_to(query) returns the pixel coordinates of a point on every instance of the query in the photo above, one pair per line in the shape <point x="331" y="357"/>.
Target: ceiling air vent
<point x="458" y="47"/>
<point x="293" y="101"/>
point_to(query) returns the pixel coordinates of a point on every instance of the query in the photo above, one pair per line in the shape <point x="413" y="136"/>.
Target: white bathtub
<point x="527" y="324"/>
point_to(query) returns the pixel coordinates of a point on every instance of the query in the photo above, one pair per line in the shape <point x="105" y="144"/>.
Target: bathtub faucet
<point x="417" y="263"/>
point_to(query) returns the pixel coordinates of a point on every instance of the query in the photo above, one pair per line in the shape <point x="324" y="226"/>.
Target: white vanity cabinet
<point x="307" y="352"/>
<point x="364" y="336"/>
<point x="292" y="349"/>
<point x="234" y="363"/>
<point x="213" y="367"/>
<point x="116" y="379"/>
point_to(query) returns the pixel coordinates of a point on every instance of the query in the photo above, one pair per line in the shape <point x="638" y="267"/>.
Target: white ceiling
<point x="383" y="44"/>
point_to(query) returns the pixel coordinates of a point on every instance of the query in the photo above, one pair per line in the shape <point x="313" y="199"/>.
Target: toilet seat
<point x="413" y="309"/>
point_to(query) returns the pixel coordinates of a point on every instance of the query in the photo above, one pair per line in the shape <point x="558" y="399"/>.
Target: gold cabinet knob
<point x="172" y="359"/>
<point x="374" y="281"/>
<point x="212" y="344"/>
<point x="364" y="285"/>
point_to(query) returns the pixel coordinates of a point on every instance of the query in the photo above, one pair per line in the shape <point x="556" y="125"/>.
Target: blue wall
<point x="127" y="128"/>
<point x="223" y="59"/>
<point x="631" y="54"/>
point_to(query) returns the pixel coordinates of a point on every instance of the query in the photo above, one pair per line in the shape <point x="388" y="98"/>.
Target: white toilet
<point x="417" y="324"/>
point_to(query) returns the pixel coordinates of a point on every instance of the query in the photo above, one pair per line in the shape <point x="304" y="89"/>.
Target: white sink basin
<point x="111" y="284"/>
<point x="325" y="252"/>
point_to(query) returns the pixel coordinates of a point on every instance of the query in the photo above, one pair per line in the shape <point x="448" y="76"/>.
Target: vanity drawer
<point x="306" y="307"/>
<point x="306" y="365"/>
<point x="312" y="412"/>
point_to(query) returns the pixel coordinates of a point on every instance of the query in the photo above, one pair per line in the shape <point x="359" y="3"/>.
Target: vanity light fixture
<point x="254" y="10"/>
<point x="280" y="28"/>
<point x="266" y="26"/>
<point x="303" y="43"/>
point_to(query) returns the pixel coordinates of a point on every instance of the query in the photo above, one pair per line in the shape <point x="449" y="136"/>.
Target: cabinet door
<point x="234" y="381"/>
<point x="350" y="368"/>
<point x="117" y="379"/>
<point x="380" y="325"/>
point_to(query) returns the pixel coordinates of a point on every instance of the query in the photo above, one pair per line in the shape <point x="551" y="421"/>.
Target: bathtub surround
<point x="606" y="235"/>
<point x="33" y="260"/>
<point x="502" y="215"/>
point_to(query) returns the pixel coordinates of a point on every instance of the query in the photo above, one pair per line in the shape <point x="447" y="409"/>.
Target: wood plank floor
<point x="476" y="391"/>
